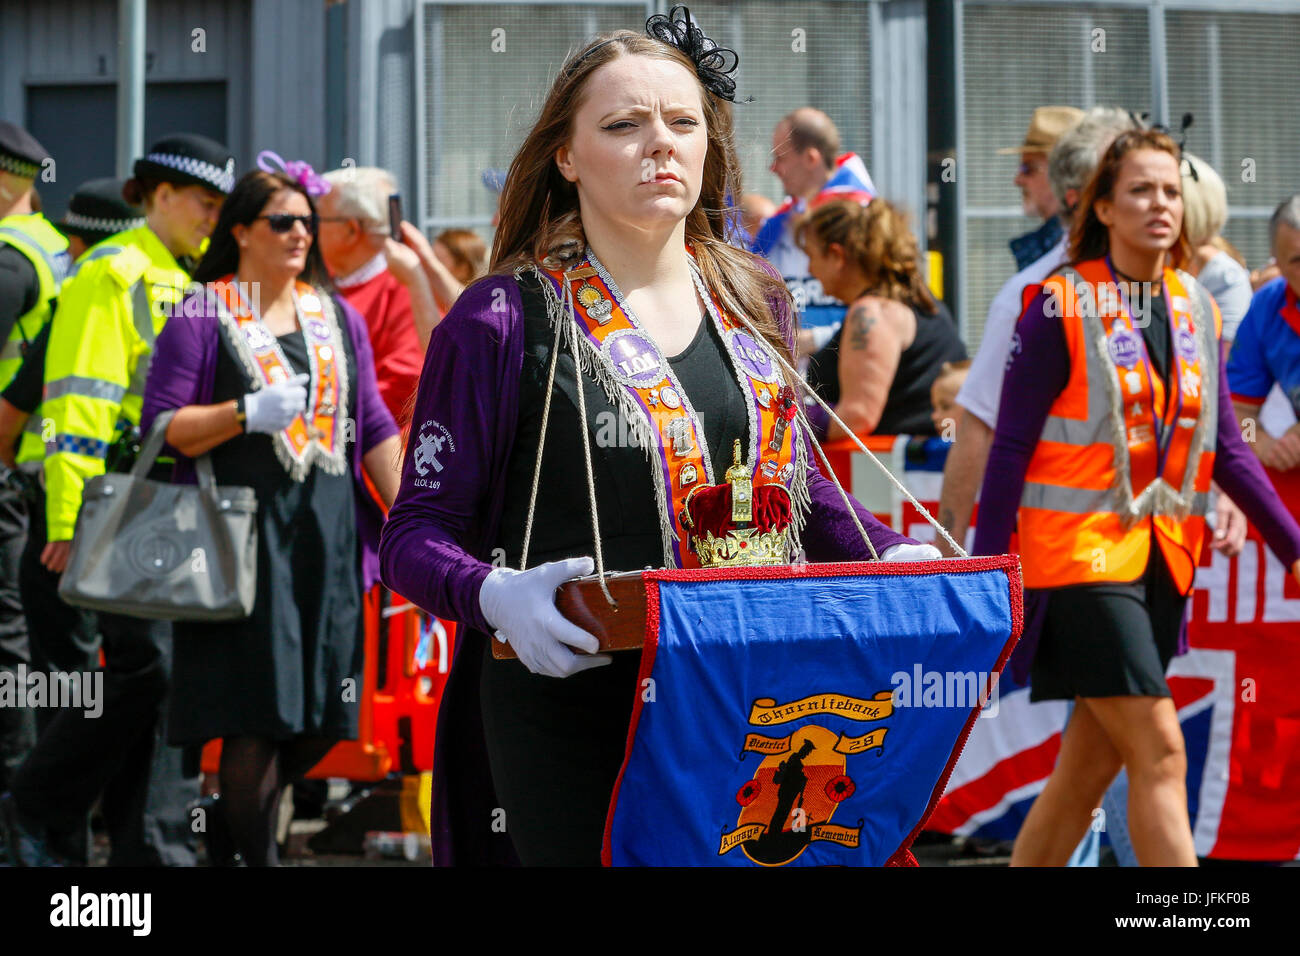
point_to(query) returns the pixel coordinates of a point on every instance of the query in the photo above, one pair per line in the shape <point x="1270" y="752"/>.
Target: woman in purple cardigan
<point x="613" y="207"/>
<point x="272" y="376"/>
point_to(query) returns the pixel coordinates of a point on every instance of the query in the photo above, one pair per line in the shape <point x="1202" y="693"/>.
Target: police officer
<point x="62" y="637"/>
<point x="33" y="261"/>
<point x="108" y="317"/>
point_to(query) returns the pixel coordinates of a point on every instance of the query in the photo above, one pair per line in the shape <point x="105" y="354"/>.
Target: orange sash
<point x="628" y="361"/>
<point x="1158" y="425"/>
<point x="317" y="435"/>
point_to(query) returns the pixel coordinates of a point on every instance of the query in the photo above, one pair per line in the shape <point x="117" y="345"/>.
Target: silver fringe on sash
<point x="1159" y="497"/>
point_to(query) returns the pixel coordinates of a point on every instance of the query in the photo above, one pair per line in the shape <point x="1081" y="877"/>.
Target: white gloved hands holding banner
<point x="271" y="409"/>
<point x="911" y="552"/>
<point x="520" y="606"/>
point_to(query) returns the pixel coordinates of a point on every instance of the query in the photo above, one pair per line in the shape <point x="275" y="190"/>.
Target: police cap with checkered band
<point x="20" y="153"/>
<point x="97" y="211"/>
<point x="188" y="159"/>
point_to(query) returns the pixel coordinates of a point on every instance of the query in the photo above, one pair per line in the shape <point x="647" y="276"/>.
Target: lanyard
<point x="1164" y="434"/>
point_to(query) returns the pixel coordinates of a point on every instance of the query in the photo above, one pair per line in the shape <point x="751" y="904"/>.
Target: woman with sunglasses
<point x="1115" y="416"/>
<point x="272" y="375"/>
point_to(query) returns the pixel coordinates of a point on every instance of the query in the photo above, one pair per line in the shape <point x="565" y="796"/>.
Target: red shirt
<point x="386" y="306"/>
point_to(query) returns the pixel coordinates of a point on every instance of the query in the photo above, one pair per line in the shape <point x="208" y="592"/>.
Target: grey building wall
<point x="286" y="65"/>
<point x="898" y="106"/>
<point x="379" y="113"/>
<point x="257" y="82"/>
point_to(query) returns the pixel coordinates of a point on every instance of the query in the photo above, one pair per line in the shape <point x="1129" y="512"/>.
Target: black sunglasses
<point x="283" y="222"/>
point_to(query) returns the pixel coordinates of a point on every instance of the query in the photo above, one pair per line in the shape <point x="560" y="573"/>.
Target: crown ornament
<point x="736" y="525"/>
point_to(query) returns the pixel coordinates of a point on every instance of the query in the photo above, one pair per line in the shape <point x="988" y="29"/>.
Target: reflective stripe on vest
<point x="57" y="265"/>
<point x="99" y="252"/>
<point x="142" y="317"/>
<point x="1101" y="471"/>
<point x="84" y="385"/>
<point x="46" y="249"/>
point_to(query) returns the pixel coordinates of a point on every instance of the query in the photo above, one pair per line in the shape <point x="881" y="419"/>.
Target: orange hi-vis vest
<point x="1121" y="456"/>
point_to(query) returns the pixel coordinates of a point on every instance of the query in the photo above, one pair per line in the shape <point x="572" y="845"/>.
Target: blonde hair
<point x="1205" y="201"/>
<point x="877" y="240"/>
<point x="540" y="221"/>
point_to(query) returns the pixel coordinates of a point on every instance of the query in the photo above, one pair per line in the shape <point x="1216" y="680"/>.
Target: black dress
<point x="283" y="671"/>
<point x="907" y="408"/>
<point x="555" y="745"/>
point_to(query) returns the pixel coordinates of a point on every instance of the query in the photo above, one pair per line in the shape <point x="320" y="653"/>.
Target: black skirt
<point x="293" y="667"/>
<point x="1109" y="640"/>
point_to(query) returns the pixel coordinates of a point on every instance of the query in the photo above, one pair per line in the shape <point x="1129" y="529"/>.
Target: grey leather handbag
<point x="157" y="550"/>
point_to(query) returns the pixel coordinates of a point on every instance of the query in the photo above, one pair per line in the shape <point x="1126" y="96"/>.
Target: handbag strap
<point x="152" y="446"/>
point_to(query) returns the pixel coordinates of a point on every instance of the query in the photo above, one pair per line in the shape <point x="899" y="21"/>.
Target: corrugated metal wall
<point x="270" y="54"/>
<point x="75" y="42"/>
<point x="285" y="56"/>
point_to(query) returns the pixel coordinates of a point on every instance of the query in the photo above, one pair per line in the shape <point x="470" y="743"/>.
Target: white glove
<point x="911" y="552"/>
<point x="272" y="408"/>
<point x="520" y="606"/>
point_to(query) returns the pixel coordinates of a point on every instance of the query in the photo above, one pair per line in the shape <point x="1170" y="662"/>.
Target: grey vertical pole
<point x="1159" y="67"/>
<point x="130" y="83"/>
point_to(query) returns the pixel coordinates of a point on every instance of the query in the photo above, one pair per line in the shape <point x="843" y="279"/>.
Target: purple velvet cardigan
<point x="443" y="523"/>
<point x="183" y="371"/>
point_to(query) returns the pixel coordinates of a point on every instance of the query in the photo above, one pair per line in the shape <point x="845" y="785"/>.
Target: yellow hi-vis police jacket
<point x="47" y="250"/>
<point x="108" y="316"/>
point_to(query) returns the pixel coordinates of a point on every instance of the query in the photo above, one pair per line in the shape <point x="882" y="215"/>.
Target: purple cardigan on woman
<point x="445" y="520"/>
<point x="1036" y="376"/>
<point x="183" y="372"/>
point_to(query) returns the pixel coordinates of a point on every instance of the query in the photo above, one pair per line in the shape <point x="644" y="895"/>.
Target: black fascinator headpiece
<point x="712" y="62"/>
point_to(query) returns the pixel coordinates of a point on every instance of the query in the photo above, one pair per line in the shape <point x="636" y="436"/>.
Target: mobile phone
<point x="395" y="216"/>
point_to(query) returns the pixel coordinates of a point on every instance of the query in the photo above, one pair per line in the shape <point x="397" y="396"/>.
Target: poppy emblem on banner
<point x="804" y="776"/>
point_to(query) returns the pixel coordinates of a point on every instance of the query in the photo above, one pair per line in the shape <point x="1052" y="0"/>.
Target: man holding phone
<point x="381" y="266"/>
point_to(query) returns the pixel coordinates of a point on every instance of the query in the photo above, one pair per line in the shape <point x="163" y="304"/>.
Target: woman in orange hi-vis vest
<point x="1115" y="418"/>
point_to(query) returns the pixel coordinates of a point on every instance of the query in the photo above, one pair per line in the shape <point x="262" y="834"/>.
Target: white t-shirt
<point x="1229" y="282"/>
<point x="981" y="393"/>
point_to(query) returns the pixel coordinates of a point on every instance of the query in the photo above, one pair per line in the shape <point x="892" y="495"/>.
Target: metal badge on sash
<point x="679" y="433"/>
<point x="597" y="306"/>
<point x="784" y="416"/>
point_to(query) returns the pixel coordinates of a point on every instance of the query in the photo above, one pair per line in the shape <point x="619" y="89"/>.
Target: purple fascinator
<point x="298" y="170"/>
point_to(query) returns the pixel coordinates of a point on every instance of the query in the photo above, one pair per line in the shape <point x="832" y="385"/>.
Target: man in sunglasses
<point x="1040" y="202"/>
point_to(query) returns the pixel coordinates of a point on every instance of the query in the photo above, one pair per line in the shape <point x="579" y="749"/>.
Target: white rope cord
<point x="586" y="450"/>
<point x="853" y="512"/>
<point x="943" y="532"/>
<point x="541" y="443"/>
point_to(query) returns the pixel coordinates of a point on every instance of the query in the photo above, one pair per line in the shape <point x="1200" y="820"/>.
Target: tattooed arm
<point x="869" y="352"/>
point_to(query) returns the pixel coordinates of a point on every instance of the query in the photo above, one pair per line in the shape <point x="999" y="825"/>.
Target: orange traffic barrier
<point x="407" y="657"/>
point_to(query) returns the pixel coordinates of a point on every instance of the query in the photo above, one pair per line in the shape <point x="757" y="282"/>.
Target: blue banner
<point x="806" y="715"/>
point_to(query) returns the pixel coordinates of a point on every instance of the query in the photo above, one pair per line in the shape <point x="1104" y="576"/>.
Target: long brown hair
<point x="877" y="240"/>
<point x="540" y="220"/>
<point x="1090" y="237"/>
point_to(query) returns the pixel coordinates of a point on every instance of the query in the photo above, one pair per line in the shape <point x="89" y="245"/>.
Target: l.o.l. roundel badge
<point x="1123" y="346"/>
<point x="753" y="357"/>
<point x="634" y="358"/>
